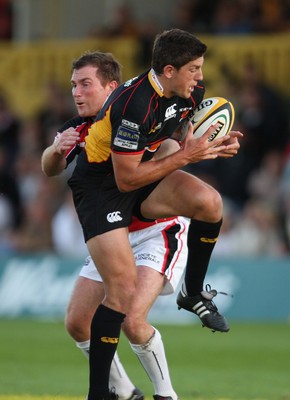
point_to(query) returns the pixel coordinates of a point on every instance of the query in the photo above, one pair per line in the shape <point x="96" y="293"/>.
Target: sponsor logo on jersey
<point x="114" y="217"/>
<point x="147" y="256"/>
<point x="126" y="138"/>
<point x="208" y="240"/>
<point x="170" y="112"/>
<point x="111" y="340"/>
<point x="182" y="109"/>
<point x="130" y="124"/>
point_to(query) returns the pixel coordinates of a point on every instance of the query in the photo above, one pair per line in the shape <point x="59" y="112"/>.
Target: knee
<point x="136" y="330"/>
<point x="216" y="203"/>
<point x="79" y="331"/>
<point x="130" y="326"/>
<point x="212" y="205"/>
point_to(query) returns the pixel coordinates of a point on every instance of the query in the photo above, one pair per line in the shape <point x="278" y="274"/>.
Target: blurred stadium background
<point x="41" y="247"/>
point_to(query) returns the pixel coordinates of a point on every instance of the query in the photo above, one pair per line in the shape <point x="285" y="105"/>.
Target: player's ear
<point x="113" y="85"/>
<point x="168" y="71"/>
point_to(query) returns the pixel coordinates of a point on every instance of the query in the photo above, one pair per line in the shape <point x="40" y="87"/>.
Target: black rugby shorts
<point x="100" y="206"/>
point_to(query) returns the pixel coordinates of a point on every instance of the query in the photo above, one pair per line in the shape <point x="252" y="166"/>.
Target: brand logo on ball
<point x="204" y="104"/>
<point x="217" y="131"/>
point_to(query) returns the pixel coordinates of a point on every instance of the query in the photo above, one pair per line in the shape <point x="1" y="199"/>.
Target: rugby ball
<point x="211" y="111"/>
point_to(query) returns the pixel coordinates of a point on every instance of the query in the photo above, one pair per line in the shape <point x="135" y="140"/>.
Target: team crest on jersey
<point x="126" y="138"/>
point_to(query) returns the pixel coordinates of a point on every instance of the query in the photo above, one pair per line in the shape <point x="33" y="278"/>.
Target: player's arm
<point x="53" y="160"/>
<point x="131" y="173"/>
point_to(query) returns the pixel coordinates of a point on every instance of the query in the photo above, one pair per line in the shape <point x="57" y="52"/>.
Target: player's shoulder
<point x="135" y="90"/>
<point x="133" y="98"/>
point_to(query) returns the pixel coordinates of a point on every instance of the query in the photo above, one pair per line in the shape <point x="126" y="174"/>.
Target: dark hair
<point x="108" y="68"/>
<point x="175" y="47"/>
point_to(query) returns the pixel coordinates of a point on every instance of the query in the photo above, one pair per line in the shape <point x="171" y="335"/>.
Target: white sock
<point x="118" y="376"/>
<point x="152" y="357"/>
<point x="119" y="379"/>
<point x="84" y="347"/>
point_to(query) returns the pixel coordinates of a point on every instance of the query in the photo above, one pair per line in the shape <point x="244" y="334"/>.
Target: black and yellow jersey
<point x="135" y="119"/>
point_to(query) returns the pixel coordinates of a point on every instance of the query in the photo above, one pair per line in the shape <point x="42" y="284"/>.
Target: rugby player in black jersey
<point x="159" y="247"/>
<point x="114" y="181"/>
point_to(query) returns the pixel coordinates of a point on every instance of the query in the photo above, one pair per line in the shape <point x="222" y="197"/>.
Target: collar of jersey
<point x="153" y="79"/>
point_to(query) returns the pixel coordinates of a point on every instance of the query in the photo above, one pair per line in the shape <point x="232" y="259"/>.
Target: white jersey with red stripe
<point x="161" y="246"/>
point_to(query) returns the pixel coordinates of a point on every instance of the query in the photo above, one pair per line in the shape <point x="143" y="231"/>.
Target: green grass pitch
<point x="38" y="361"/>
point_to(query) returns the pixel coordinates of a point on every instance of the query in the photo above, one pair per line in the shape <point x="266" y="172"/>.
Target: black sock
<point x="202" y="237"/>
<point x="105" y="333"/>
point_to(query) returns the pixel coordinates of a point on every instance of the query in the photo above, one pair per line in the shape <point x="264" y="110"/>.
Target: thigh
<point x="113" y="255"/>
<point x="181" y="193"/>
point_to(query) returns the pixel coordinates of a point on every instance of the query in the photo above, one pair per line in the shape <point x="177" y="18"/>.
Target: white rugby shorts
<point x="162" y="247"/>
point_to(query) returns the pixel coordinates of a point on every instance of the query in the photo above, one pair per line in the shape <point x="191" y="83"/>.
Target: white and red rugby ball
<point x="211" y="111"/>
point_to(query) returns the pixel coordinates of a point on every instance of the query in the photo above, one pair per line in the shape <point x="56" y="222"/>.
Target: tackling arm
<point x="53" y="160"/>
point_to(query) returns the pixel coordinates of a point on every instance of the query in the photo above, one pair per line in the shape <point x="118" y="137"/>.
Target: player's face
<point x="186" y="78"/>
<point x="88" y="93"/>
